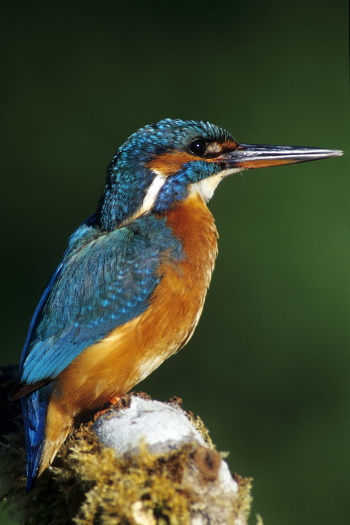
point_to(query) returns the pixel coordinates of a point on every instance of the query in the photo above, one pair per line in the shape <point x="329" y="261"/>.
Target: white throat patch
<point x="206" y="187"/>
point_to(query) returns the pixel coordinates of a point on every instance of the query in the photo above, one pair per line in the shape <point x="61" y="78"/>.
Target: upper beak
<point x="262" y="156"/>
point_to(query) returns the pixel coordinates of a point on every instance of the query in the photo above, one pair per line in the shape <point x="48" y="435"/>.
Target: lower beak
<point x="261" y="156"/>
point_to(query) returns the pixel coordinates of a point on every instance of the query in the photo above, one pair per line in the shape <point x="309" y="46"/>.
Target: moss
<point x="119" y="489"/>
<point x="243" y="503"/>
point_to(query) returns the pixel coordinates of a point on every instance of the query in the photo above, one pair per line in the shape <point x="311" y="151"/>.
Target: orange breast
<point x="132" y="351"/>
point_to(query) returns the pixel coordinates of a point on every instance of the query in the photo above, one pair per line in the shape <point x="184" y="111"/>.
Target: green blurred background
<point x="268" y="367"/>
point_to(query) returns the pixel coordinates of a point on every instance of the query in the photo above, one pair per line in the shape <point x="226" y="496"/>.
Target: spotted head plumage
<point x="155" y="167"/>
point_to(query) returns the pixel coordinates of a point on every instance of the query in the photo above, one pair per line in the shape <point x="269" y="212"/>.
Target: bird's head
<point x="162" y="163"/>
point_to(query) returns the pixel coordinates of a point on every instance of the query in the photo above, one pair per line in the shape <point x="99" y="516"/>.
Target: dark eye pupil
<point x="198" y="147"/>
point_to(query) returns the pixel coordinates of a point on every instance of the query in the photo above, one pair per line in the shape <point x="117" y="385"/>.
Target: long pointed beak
<point x="262" y="156"/>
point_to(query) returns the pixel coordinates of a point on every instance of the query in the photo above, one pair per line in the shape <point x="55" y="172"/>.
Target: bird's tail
<point x="34" y="406"/>
<point x="47" y="426"/>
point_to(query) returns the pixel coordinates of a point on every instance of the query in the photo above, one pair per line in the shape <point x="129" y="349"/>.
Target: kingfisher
<point x="130" y="288"/>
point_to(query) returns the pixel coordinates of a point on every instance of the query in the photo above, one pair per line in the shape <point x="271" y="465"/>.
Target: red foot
<point x="114" y="400"/>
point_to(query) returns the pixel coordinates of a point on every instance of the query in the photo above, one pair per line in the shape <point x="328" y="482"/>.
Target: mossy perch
<point x="125" y="469"/>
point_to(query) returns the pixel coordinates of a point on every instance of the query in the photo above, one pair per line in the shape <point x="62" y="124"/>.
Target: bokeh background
<point x="268" y="367"/>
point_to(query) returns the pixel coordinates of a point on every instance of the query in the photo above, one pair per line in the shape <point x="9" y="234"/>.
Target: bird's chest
<point x="178" y="301"/>
<point x="193" y="224"/>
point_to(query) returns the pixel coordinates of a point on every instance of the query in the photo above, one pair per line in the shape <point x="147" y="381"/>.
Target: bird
<point x="131" y="285"/>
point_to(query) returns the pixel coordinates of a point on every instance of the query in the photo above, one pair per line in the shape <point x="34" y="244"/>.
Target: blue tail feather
<point x="34" y="406"/>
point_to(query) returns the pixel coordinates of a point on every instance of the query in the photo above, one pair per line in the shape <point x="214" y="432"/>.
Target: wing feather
<point x="104" y="280"/>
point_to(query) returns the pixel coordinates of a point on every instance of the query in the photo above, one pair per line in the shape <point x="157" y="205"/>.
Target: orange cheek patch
<point x="169" y="163"/>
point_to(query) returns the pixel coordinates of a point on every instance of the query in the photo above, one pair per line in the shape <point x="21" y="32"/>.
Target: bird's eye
<point x="198" y="147"/>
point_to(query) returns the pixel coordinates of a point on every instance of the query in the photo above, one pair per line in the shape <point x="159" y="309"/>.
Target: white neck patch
<point x="152" y="193"/>
<point x="149" y="199"/>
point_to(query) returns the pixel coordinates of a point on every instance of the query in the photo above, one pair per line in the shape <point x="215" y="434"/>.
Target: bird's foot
<point x="113" y="401"/>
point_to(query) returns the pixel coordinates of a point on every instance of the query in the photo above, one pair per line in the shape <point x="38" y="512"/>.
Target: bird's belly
<point x="132" y="351"/>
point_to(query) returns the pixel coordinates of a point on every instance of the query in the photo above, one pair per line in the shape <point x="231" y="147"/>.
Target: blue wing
<point x="104" y="280"/>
